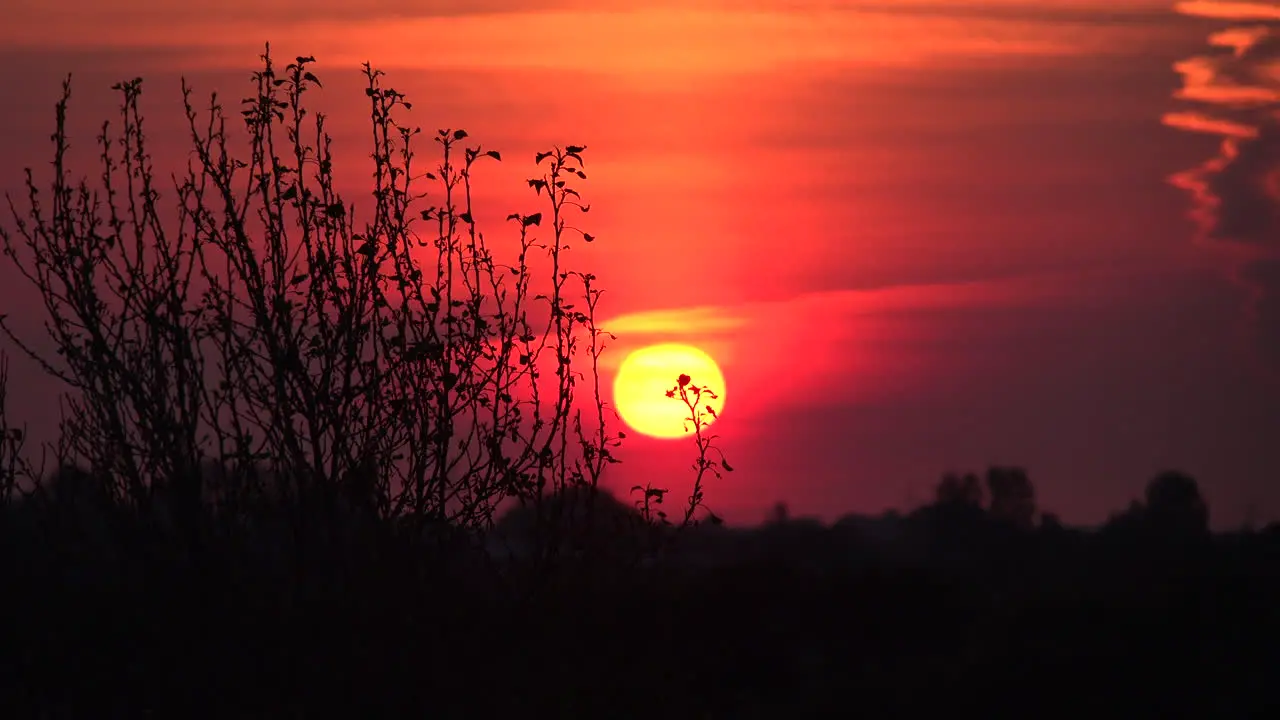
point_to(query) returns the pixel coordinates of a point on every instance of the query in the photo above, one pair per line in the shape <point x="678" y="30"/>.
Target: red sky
<point x="919" y="235"/>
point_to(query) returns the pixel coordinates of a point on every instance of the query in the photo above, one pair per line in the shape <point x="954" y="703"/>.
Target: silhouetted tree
<point x="955" y="518"/>
<point x="1050" y="521"/>
<point x="1174" y="505"/>
<point x="1127" y="523"/>
<point x="955" y="489"/>
<point x="585" y="523"/>
<point x="13" y="463"/>
<point x="402" y="363"/>
<point x="1012" y="496"/>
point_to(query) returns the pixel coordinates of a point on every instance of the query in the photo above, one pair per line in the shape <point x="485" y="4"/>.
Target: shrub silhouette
<point x="246" y="317"/>
<point x="954" y="489"/>
<point x="1174" y="505"/>
<point x="1013" y="499"/>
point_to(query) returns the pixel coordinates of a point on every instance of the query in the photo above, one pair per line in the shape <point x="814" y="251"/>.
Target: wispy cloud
<point x="845" y="346"/>
<point x="699" y="321"/>
<point x="1089" y="11"/>
<point x="1234" y="89"/>
<point x="625" y="37"/>
<point x="1229" y="9"/>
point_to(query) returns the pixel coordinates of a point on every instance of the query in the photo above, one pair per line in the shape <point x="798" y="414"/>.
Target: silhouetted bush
<point x="245" y="337"/>
<point x="1174" y="505"/>
<point x="1013" y="499"/>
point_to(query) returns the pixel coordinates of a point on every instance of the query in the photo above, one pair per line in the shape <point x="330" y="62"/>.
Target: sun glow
<point x="645" y="376"/>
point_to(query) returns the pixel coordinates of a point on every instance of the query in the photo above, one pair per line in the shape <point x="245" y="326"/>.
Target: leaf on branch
<point x="684" y="380"/>
<point x="459" y="134"/>
<point x="534" y="219"/>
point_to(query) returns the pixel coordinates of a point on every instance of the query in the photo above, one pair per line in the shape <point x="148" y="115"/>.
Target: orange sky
<point x="918" y="234"/>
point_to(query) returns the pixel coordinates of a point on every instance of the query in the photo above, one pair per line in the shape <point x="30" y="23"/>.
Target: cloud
<point x="1229" y="9"/>
<point x="865" y="347"/>
<point x="629" y="35"/>
<point x="676" y="322"/>
<point x="1234" y="91"/>
<point x="1090" y="11"/>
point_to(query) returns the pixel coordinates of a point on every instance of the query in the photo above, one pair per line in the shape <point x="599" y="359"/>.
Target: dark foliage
<point x="891" y="616"/>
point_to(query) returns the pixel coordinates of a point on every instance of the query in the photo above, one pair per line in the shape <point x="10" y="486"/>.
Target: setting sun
<point x="640" y="388"/>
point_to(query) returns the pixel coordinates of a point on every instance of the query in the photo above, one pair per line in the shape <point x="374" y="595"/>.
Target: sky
<point x="917" y="235"/>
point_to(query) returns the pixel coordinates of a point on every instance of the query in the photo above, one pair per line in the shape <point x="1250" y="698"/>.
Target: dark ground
<point x="106" y="615"/>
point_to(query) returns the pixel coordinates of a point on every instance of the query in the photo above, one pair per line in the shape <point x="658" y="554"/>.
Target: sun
<point x="640" y="388"/>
